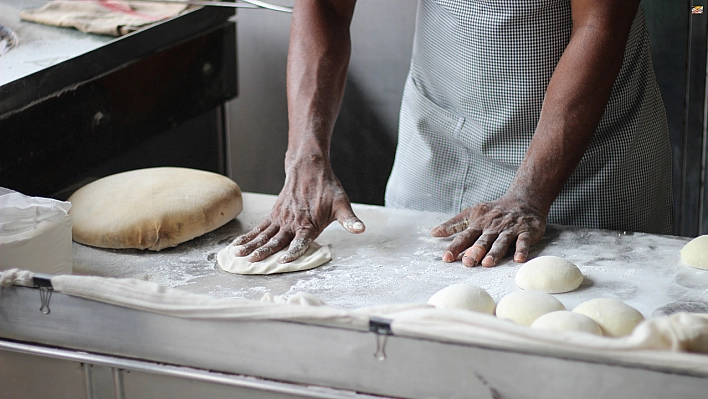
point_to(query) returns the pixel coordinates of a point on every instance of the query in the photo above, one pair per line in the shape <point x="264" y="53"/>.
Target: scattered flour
<point x="396" y="261"/>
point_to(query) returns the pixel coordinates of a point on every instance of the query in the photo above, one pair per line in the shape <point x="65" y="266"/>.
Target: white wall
<point x="382" y="35"/>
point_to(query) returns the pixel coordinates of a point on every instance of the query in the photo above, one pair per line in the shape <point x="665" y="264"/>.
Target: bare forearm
<point x="312" y="196"/>
<point x="575" y="101"/>
<point x="318" y="58"/>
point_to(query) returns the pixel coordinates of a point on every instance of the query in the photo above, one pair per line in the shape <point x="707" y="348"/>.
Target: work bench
<point x="93" y="348"/>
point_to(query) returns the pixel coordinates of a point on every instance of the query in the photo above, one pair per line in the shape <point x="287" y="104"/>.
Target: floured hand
<point x="487" y="230"/>
<point x="311" y="199"/>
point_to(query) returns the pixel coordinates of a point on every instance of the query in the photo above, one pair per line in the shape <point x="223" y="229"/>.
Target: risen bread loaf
<point x="153" y="208"/>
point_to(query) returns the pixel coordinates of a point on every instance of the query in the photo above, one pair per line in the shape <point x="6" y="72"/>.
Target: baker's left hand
<point x="487" y="230"/>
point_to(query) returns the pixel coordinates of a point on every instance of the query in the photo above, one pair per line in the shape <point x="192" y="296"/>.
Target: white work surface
<point x="397" y="261"/>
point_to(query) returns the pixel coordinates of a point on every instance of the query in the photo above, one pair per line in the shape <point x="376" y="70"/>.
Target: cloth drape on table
<point x="659" y="342"/>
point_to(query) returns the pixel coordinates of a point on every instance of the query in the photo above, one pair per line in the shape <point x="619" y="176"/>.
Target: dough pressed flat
<point x="315" y="256"/>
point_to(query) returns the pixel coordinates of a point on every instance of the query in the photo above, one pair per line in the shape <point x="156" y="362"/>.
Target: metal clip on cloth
<point x="43" y="282"/>
<point x="380" y="326"/>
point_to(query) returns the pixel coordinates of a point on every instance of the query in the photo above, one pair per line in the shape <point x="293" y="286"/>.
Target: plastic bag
<point x="35" y="233"/>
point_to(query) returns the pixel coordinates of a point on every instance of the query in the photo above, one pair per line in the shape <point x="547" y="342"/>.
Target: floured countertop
<point x="39" y="46"/>
<point x="396" y="261"/>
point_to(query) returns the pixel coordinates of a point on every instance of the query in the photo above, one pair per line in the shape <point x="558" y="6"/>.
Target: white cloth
<point x="35" y="233"/>
<point x="16" y="277"/>
<point x="152" y="297"/>
<point x="299" y="298"/>
<point x="657" y="342"/>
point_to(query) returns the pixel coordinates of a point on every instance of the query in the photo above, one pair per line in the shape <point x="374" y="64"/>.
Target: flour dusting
<point x="397" y="261"/>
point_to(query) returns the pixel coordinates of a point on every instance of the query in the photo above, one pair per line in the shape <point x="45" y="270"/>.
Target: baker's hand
<point x="487" y="230"/>
<point x="311" y="199"/>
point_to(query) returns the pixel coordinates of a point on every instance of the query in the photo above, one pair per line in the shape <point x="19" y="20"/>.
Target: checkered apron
<point x="472" y="100"/>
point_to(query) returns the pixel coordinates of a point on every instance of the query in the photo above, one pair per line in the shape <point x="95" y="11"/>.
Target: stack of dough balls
<point x="153" y="208"/>
<point x="535" y="307"/>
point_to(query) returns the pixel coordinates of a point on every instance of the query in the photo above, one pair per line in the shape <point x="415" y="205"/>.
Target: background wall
<point x="678" y="40"/>
<point x="365" y="134"/>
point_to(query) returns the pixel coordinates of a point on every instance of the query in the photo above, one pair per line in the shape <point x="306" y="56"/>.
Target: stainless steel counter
<point x="396" y="261"/>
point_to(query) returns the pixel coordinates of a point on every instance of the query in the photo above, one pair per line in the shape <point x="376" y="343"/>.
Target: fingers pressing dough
<point x="229" y="261"/>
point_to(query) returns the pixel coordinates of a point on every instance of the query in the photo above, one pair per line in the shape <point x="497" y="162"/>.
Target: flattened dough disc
<point x="315" y="256"/>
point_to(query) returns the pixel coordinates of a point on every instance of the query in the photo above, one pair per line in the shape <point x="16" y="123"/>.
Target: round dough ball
<point x="463" y="296"/>
<point x="153" y="208"/>
<point x="564" y="320"/>
<point x="616" y="318"/>
<point x="549" y="274"/>
<point x="524" y="307"/>
<point x="695" y="252"/>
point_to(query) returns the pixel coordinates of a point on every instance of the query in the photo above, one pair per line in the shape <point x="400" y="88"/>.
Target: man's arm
<point x="312" y="197"/>
<point x="574" y="104"/>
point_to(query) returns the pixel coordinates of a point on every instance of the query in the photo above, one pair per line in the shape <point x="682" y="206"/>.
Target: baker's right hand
<point x="311" y="199"/>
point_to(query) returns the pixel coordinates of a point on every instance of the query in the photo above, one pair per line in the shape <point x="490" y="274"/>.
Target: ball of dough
<point x="463" y="296"/>
<point x="153" y="208"/>
<point x="524" y="307"/>
<point x="564" y="320"/>
<point x="695" y="252"/>
<point x="616" y="318"/>
<point x="549" y="274"/>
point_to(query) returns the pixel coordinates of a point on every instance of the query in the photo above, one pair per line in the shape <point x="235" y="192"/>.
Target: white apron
<point x="479" y="72"/>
